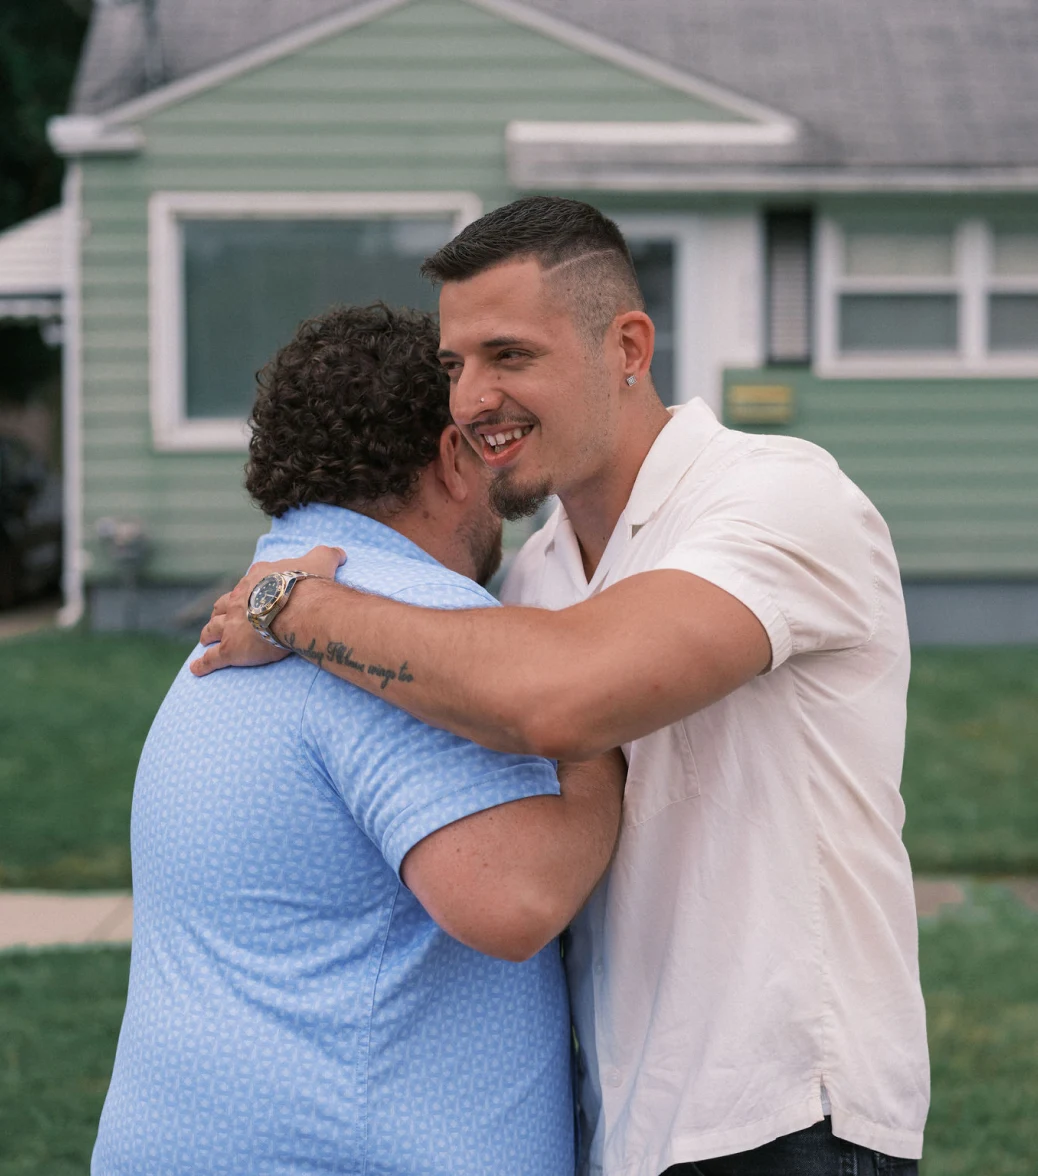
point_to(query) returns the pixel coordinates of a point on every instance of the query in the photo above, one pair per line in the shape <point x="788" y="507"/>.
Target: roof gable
<point x="710" y="101"/>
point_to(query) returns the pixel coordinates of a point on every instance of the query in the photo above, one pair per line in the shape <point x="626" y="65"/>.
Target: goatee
<point x="513" y="503"/>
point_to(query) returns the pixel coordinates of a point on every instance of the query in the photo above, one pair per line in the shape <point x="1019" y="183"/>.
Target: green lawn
<point x="74" y="713"/>
<point x="980" y="976"/>
<point x="60" y="1011"/>
<point x="971" y="762"/>
<point x="59" y="1020"/>
<point x="76" y="707"/>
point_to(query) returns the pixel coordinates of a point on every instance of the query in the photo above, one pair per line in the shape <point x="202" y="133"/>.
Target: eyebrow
<point x="487" y="345"/>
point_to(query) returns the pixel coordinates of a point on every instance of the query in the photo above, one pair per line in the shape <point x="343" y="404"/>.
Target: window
<point x="927" y="300"/>
<point x="654" y="265"/>
<point x="233" y="275"/>
<point x="788" y="297"/>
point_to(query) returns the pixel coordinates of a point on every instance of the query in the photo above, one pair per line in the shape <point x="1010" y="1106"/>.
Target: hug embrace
<point x="605" y="878"/>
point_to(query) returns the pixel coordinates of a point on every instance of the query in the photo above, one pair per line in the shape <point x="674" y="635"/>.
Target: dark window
<point x="788" y="305"/>
<point x="654" y="265"/>
<point x="249" y="283"/>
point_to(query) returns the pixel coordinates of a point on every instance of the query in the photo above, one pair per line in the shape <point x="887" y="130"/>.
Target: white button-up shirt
<point x="751" y="957"/>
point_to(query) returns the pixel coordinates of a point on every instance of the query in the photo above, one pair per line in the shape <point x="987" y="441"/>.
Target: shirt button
<point x="614" y="1078"/>
<point x="599" y="968"/>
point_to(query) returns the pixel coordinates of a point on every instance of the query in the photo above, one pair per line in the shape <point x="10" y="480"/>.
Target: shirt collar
<point x="318" y="523"/>
<point x="688" y="432"/>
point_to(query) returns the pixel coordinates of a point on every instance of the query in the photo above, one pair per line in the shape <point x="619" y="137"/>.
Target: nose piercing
<point x="482" y="399"/>
<point x="631" y="381"/>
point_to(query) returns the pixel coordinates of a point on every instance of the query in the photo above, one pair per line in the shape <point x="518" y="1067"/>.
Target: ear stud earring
<point x="631" y="381"/>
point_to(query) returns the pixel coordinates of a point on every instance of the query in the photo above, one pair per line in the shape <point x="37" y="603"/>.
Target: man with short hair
<point x="322" y="882"/>
<point x="728" y="608"/>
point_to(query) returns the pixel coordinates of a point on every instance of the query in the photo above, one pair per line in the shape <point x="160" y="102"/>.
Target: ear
<point x="450" y="467"/>
<point x="637" y="337"/>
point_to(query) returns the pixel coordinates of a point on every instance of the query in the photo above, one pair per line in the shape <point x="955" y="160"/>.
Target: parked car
<point x="30" y="524"/>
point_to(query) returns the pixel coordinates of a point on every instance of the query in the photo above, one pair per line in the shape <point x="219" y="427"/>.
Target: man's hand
<point x="231" y="639"/>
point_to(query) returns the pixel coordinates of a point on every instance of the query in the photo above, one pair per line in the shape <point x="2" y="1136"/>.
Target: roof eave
<point x="792" y="180"/>
<point x="76" y="135"/>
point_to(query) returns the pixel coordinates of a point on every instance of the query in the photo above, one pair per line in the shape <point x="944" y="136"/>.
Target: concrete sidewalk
<point x="35" y="919"/>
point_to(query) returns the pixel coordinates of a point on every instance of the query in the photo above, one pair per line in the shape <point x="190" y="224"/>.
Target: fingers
<point x="211" y="660"/>
<point x="322" y="561"/>
<point x="213" y="630"/>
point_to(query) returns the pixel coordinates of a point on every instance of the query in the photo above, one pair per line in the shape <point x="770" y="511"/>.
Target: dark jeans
<point x="812" y="1152"/>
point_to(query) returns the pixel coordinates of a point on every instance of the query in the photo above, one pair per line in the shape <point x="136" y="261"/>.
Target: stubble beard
<point x="483" y="539"/>
<point x="514" y="502"/>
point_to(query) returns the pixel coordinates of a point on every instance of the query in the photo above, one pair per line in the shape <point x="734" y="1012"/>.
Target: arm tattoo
<point x="342" y="655"/>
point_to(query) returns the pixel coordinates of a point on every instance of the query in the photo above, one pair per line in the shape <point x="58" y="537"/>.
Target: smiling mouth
<point x="502" y="440"/>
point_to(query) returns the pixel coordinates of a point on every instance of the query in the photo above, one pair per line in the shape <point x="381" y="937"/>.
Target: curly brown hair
<point x="349" y="412"/>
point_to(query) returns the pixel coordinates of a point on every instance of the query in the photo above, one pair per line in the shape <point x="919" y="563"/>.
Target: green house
<point x="833" y="207"/>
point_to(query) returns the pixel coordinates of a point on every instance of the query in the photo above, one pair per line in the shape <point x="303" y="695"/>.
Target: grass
<point x="979" y="966"/>
<point x="59" y="1020"/>
<point x="76" y="709"/>
<point x="60" y="1013"/>
<point x="971" y="762"/>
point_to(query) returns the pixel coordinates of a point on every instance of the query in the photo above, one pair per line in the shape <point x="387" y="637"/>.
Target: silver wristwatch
<point x="269" y="597"/>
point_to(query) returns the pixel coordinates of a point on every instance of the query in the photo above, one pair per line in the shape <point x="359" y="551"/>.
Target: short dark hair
<point x="573" y="241"/>
<point x="349" y="412"/>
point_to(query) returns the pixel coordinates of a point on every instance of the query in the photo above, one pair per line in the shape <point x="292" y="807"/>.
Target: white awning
<point x="31" y="268"/>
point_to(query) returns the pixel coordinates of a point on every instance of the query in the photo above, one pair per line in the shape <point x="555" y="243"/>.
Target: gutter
<point x="71" y="611"/>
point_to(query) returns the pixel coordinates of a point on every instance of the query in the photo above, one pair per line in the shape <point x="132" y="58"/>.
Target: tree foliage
<point x="40" y="41"/>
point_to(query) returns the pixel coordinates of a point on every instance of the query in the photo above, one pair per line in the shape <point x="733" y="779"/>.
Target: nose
<point x="472" y="395"/>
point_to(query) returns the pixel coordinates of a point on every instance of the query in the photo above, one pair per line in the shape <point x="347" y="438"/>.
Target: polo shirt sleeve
<point x="794" y="540"/>
<point x="401" y="779"/>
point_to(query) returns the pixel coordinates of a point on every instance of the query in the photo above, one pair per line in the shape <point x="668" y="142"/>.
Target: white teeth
<point x="500" y="439"/>
<point x="517" y="434"/>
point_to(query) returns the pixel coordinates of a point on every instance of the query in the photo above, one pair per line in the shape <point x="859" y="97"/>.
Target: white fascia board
<point x="624" y="135"/>
<point x="73" y="135"/>
<point x="804" y="181"/>
<point x="647" y="67"/>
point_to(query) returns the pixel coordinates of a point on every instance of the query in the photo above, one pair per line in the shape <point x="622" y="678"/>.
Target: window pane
<point x="928" y="255"/>
<point x="898" y="322"/>
<point x="1013" y="322"/>
<point x="248" y="284"/>
<point x="1015" y="254"/>
<point x="654" y="265"/>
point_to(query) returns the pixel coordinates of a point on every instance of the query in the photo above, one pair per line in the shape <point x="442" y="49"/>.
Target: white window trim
<point x="172" y="430"/>
<point x="685" y="233"/>
<point x="971" y="280"/>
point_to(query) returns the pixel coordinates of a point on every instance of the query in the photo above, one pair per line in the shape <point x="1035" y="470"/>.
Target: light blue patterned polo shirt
<point x="292" y="1008"/>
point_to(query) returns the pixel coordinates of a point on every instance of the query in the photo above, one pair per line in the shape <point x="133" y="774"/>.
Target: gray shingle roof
<point x="874" y="83"/>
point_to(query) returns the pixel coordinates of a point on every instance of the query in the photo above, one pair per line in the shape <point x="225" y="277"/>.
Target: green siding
<point x="951" y="464"/>
<point x="417" y="100"/>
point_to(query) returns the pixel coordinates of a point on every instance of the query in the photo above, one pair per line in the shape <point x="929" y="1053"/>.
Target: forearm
<point x="570" y="684"/>
<point x="435" y="663"/>
<point x="505" y="881"/>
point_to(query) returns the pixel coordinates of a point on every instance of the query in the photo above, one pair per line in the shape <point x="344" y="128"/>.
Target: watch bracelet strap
<point x="262" y="625"/>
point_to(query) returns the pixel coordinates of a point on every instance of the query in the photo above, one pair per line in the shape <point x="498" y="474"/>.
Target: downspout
<point x="73" y="607"/>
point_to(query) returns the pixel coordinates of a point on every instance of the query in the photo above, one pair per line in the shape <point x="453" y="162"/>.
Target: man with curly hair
<point x="344" y="953"/>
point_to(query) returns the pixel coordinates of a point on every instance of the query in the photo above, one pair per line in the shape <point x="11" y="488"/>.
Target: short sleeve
<point x="790" y="538"/>
<point x="401" y="779"/>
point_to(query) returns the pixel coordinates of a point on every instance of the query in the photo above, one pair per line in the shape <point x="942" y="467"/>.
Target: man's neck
<point x="595" y="506"/>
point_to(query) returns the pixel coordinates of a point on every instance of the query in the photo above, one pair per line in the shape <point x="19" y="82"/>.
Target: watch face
<point x="265" y="593"/>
